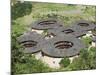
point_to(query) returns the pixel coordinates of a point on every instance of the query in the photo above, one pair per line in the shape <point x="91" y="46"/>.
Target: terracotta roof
<point x="64" y="43"/>
<point x="84" y="25"/>
<point x="31" y="41"/>
<point x="30" y="36"/>
<point x="46" y="24"/>
<point x="62" y="46"/>
<point x="67" y="30"/>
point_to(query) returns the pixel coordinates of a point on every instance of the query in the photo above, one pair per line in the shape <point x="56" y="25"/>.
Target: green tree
<point x="92" y="58"/>
<point x="31" y="65"/>
<point x="24" y="63"/>
<point x="20" y="9"/>
<point x="87" y="40"/>
<point x="85" y="61"/>
<point x="16" y="53"/>
<point x="64" y="62"/>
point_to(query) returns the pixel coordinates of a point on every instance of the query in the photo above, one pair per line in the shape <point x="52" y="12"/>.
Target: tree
<point x="85" y="61"/>
<point x="92" y="58"/>
<point x="20" y="9"/>
<point x="64" y="62"/>
<point x="16" y="53"/>
<point x="24" y="63"/>
<point x="31" y="65"/>
<point x="87" y="40"/>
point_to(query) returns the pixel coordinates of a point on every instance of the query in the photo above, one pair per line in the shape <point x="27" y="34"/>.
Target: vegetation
<point x="25" y="13"/>
<point x="30" y="65"/>
<point x="16" y="53"/>
<point x="87" y="40"/>
<point x="21" y="9"/>
<point x="24" y="63"/>
<point x="64" y="62"/>
<point x="85" y="61"/>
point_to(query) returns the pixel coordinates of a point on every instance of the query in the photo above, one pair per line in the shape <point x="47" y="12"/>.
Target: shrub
<point x="87" y="40"/>
<point x="64" y="62"/>
<point x="24" y="63"/>
<point x="21" y="9"/>
<point x="85" y="61"/>
<point x="31" y="65"/>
